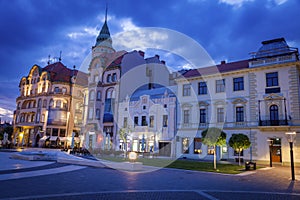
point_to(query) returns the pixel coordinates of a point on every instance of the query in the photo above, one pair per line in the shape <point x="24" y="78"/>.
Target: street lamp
<point x="291" y="136"/>
<point x="270" y="150"/>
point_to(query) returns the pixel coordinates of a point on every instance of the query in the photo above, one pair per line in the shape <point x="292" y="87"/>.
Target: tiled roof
<point x="221" y="68"/>
<point x="60" y="73"/>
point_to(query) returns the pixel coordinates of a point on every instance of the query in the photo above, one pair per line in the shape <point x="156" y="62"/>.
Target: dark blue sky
<point x="227" y="29"/>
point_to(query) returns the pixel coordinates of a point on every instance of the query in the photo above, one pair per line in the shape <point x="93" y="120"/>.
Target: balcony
<point x="273" y="123"/>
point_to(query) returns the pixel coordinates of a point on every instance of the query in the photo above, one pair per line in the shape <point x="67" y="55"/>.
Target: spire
<point x="104" y="33"/>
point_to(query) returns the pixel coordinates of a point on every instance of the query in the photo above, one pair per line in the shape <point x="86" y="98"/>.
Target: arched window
<point x="274" y="117"/>
<point x="98" y="96"/>
<point x="98" y="113"/>
<point x="92" y="95"/>
<point x="44" y="103"/>
<point x="40" y="103"/>
<point x="51" y="103"/>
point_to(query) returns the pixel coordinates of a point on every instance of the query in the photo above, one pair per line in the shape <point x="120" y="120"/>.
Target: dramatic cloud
<point x="225" y="29"/>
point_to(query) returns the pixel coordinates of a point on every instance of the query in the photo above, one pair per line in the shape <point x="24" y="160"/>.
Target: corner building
<point x="50" y="107"/>
<point x="258" y="97"/>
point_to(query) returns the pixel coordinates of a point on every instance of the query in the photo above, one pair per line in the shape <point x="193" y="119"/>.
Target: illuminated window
<point x="210" y="150"/>
<point x="197" y="145"/>
<point x="185" y="145"/>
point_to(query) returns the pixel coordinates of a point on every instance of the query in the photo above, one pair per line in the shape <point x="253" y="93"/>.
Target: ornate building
<point x="258" y="97"/>
<point x="50" y="106"/>
<point x="113" y="75"/>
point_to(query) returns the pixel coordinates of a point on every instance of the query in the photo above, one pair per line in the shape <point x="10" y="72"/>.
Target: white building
<point x="258" y="97"/>
<point x="149" y="119"/>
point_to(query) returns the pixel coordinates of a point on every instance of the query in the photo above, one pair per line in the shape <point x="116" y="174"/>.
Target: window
<point x="274" y="114"/>
<point x="114" y="77"/>
<point x="56" y="89"/>
<point x="144" y="107"/>
<point x="165" y="120"/>
<point x="185" y="145"/>
<point x="91" y="113"/>
<point x="45" y="103"/>
<point x="272" y="79"/>
<point x="220" y="85"/>
<point x="62" y="133"/>
<point x="202" y="115"/>
<point x="98" y="113"/>
<point x="125" y="122"/>
<point x="58" y="104"/>
<point x="238" y="84"/>
<point x="108" y="78"/>
<point x="136" y="121"/>
<point x="210" y="150"/>
<point x="55" y="132"/>
<point x="152" y="121"/>
<point x="144" y="121"/>
<point x="92" y="95"/>
<point x="220" y="115"/>
<point x="98" y="96"/>
<point x="186" y="116"/>
<point x="202" y="88"/>
<point x="107" y="106"/>
<point x="64" y="90"/>
<point x="48" y="131"/>
<point x="186" y="90"/>
<point x="197" y="145"/>
<point x="239" y="114"/>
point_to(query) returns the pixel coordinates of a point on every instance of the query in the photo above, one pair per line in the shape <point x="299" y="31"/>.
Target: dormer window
<point x="108" y="78"/>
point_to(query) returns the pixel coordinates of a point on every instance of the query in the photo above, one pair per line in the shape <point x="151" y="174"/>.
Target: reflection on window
<point x="210" y="150"/>
<point x="197" y="145"/>
<point x="185" y="145"/>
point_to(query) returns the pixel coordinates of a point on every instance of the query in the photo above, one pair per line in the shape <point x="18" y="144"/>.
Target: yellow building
<point x="50" y="107"/>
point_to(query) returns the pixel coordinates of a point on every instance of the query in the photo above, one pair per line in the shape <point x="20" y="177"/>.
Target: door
<point x="276" y="150"/>
<point x="164" y="148"/>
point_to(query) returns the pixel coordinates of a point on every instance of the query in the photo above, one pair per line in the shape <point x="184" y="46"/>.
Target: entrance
<point x="164" y="148"/>
<point x="276" y="150"/>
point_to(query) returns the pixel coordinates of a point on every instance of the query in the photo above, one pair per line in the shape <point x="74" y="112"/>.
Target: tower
<point x="103" y="41"/>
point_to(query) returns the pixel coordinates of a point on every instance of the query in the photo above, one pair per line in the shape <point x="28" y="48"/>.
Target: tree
<point x="123" y="135"/>
<point x="213" y="137"/>
<point x="239" y="142"/>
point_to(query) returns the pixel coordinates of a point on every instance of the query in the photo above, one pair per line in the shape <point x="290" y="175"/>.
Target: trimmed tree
<point x="213" y="137"/>
<point x="239" y="142"/>
<point x="123" y="135"/>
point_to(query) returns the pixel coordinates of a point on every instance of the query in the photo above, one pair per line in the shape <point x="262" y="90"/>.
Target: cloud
<point x="235" y="3"/>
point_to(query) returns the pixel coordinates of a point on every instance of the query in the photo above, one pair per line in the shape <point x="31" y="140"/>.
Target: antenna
<point x="106" y="12"/>
<point x="60" y="56"/>
<point x="49" y="60"/>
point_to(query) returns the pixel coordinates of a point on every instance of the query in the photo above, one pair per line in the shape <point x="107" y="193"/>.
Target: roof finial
<point x="106" y="12"/>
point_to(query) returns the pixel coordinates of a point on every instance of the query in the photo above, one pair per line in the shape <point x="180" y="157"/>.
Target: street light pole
<point x="270" y="150"/>
<point x="291" y="136"/>
<point x="292" y="161"/>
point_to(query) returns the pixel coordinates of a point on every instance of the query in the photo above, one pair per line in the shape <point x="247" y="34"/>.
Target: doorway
<point x="164" y="148"/>
<point x="276" y="150"/>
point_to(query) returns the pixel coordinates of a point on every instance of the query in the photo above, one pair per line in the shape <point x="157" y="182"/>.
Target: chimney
<point x="223" y="62"/>
<point x="157" y="56"/>
<point x="163" y="62"/>
<point x="142" y="53"/>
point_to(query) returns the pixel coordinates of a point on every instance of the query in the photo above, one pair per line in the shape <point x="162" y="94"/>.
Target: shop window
<point x="210" y="150"/>
<point x="197" y="145"/>
<point x="185" y="145"/>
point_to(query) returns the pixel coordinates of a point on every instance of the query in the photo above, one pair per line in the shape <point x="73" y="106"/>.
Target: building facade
<point x="50" y="107"/>
<point x="148" y="119"/>
<point x="114" y="75"/>
<point x="258" y="97"/>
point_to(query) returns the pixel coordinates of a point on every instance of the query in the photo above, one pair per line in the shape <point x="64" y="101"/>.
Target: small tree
<point x="214" y="137"/>
<point x="239" y="142"/>
<point x="123" y="135"/>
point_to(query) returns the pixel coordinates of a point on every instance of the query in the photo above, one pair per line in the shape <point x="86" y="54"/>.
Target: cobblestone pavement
<point x="104" y="183"/>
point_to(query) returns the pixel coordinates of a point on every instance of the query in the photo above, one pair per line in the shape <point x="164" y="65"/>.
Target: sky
<point x="31" y="30"/>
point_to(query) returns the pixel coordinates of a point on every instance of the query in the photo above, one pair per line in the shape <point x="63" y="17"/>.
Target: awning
<point x="44" y="138"/>
<point x="63" y="139"/>
<point x="53" y="138"/>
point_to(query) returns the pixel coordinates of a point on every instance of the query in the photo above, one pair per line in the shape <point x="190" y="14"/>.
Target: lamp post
<point x="270" y="150"/>
<point x="291" y="136"/>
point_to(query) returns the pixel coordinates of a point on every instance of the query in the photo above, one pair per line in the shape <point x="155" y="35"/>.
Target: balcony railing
<point x="273" y="123"/>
